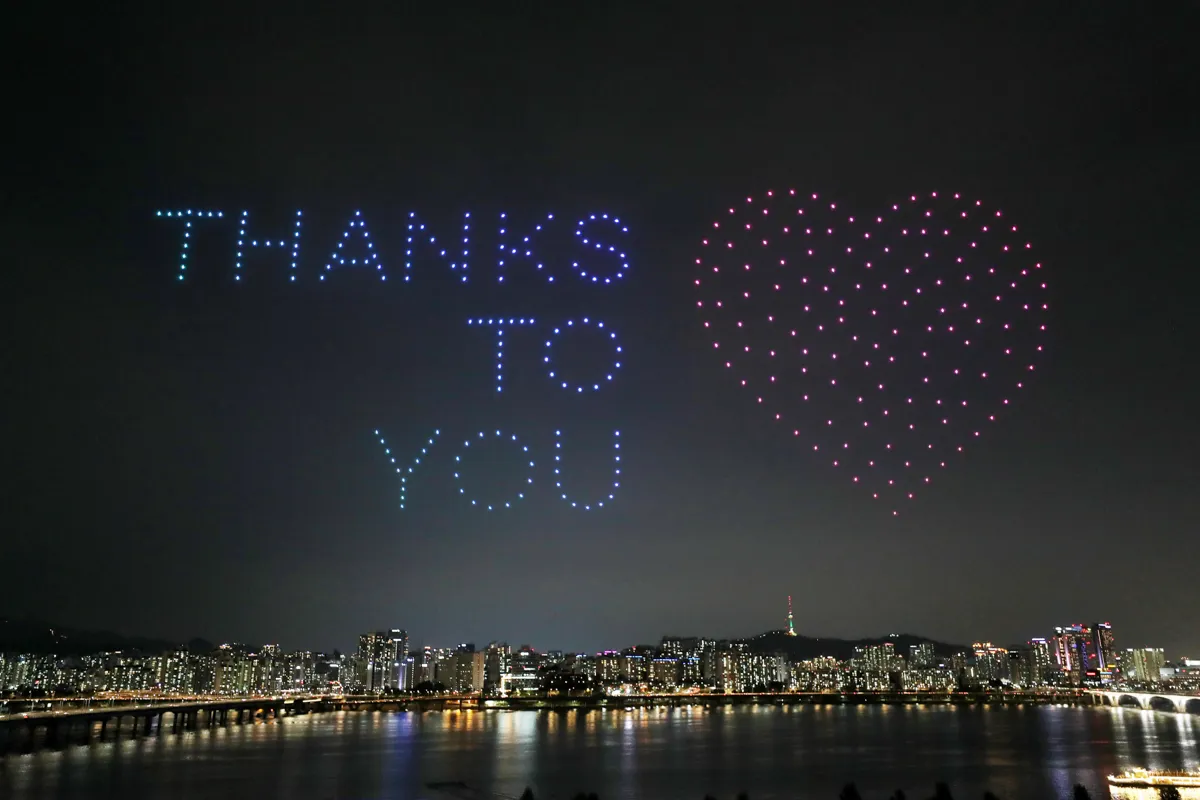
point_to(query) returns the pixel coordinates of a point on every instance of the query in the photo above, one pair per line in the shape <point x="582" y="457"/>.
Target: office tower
<point x="1102" y="646"/>
<point x="523" y="671"/>
<point x="1075" y="652"/>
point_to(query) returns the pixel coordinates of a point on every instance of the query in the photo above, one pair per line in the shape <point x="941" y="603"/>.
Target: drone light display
<point x="355" y="250"/>
<point x="558" y="471"/>
<point x="458" y="477"/>
<point x="886" y="343"/>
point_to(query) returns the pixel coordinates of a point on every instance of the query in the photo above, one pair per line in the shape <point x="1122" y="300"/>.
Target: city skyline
<point x="1072" y="645"/>
<point x="388" y="661"/>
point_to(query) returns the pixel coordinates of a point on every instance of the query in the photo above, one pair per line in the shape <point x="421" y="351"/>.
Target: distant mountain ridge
<point x="37" y="636"/>
<point x="802" y="648"/>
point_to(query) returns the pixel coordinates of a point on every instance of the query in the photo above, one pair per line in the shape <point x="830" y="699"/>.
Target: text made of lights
<point x="596" y="262"/>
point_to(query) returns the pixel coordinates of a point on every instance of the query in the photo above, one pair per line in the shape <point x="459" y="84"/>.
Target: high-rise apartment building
<point x="1041" y="661"/>
<point x="991" y="662"/>
<point x="608" y="667"/>
<point x="468" y="670"/>
<point x="922" y="656"/>
<point x="879" y="658"/>
<point x="1146" y="664"/>
<point x="380" y="660"/>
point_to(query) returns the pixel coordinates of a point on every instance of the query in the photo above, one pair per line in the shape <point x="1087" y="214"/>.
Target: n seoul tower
<point x="791" y="628"/>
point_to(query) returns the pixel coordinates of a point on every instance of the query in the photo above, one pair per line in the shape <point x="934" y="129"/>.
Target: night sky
<point x="196" y="458"/>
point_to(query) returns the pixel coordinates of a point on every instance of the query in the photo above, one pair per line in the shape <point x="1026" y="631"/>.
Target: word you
<point x="482" y="439"/>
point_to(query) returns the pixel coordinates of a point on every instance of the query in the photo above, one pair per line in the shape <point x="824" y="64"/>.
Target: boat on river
<point x="1157" y="779"/>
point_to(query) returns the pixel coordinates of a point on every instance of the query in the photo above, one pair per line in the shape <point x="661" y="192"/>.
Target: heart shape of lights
<point x="885" y="343"/>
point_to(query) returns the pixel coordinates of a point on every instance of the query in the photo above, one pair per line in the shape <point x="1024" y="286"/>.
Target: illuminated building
<point x="1074" y="651"/>
<point x="664" y="673"/>
<point x="791" y="626"/>
<point x="523" y="672"/>
<point x="991" y="662"/>
<point x="380" y="660"/>
<point x="469" y="669"/>
<point x="174" y="673"/>
<point x="728" y="674"/>
<point x="824" y="674"/>
<point x="1041" y="661"/>
<point x="635" y="664"/>
<point x="1102" y="647"/>
<point x="706" y="651"/>
<point x="922" y="656"/>
<point x="1146" y="664"/>
<point x="496" y="659"/>
<point x="608" y="667"/>
<point x="881" y="658"/>
<point x="445" y="670"/>
<point x="678" y="646"/>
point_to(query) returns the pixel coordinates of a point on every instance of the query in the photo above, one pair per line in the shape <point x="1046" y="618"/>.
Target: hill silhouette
<point x="802" y="648"/>
<point x="37" y="636"/>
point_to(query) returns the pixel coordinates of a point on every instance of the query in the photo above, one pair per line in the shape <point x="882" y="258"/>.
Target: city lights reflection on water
<point x="659" y="753"/>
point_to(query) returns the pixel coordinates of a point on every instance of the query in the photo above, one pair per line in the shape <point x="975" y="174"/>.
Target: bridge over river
<point x="1158" y="701"/>
<point x="58" y="722"/>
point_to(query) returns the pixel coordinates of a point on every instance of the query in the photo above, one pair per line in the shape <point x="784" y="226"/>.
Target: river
<point x="771" y="753"/>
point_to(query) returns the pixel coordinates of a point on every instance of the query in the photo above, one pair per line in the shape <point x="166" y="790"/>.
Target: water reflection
<point x="659" y="753"/>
